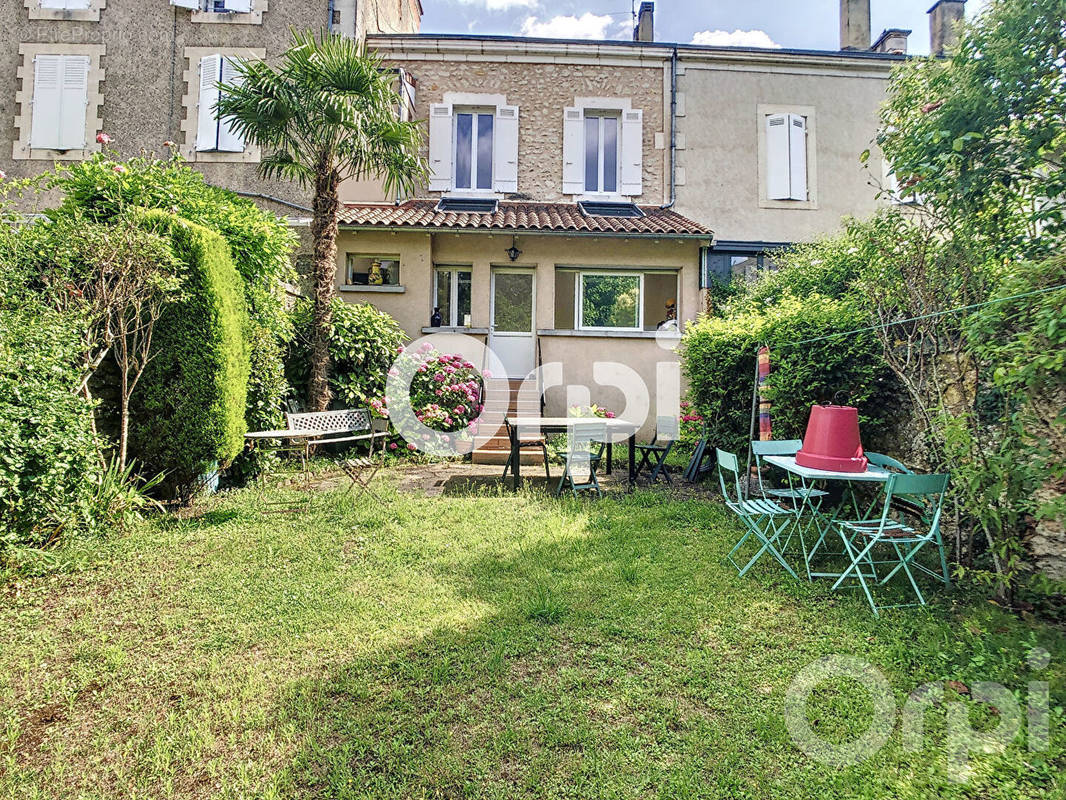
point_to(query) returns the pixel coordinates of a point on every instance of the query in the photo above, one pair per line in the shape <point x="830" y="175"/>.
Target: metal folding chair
<point x="781" y="447"/>
<point x="538" y="442"/>
<point x="667" y="432"/>
<point x="860" y="537"/>
<point x="362" y="469"/>
<point x="584" y="452"/>
<point x="763" y="519"/>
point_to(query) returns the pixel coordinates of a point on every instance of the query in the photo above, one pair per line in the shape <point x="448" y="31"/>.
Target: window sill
<point x="456" y="329"/>
<point x="794" y="205"/>
<point x="609" y="334"/>
<point x="395" y="289"/>
<point x="253" y="17"/>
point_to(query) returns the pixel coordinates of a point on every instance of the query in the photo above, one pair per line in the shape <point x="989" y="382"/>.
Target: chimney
<point x="644" y="30"/>
<point x="892" y="40"/>
<point x="854" y="24"/>
<point x="944" y="17"/>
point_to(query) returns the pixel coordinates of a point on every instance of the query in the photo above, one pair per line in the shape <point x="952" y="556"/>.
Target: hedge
<point x="189" y="411"/>
<point x="718" y="357"/>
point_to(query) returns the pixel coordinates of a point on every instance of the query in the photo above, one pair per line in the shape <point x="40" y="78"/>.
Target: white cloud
<point x="587" y="26"/>
<point x="737" y="38"/>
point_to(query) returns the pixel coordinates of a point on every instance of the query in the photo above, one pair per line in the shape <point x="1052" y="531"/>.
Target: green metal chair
<point x="528" y="442"/>
<point x="667" y="432"/>
<point x="763" y="519"/>
<point x="583" y="452"/>
<point x="861" y="537"/>
<point x="781" y="447"/>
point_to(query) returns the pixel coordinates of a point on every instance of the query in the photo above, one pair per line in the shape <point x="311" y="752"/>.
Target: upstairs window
<point x="786" y="157"/>
<point x="601" y="152"/>
<point x="216" y="6"/>
<point x="473" y="149"/>
<point x="214" y="134"/>
<point x="65" y="5"/>
<point x="60" y="99"/>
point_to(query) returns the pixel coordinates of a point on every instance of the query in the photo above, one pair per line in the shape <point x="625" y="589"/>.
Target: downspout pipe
<point x="673" y="131"/>
<point x="329" y="11"/>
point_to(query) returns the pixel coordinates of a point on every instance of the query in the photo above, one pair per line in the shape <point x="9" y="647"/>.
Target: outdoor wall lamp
<point x="513" y="252"/>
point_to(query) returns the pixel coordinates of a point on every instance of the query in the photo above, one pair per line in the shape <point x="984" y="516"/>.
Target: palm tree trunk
<point x="324" y="270"/>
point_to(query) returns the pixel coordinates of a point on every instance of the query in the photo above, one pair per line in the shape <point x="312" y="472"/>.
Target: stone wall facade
<point x="541" y="90"/>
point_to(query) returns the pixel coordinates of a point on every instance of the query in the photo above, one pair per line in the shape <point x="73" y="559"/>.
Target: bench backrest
<point x="349" y="420"/>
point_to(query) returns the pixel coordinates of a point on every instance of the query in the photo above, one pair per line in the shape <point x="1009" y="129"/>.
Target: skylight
<point x="599" y="209"/>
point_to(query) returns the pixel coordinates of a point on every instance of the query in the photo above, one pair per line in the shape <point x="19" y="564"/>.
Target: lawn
<point x="482" y="645"/>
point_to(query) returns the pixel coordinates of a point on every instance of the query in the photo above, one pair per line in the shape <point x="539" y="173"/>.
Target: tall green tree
<point x="980" y="136"/>
<point x="327" y="113"/>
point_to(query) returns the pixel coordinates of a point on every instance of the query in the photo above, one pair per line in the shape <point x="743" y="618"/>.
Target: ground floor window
<point x="729" y="260"/>
<point x="373" y="270"/>
<point x="451" y="293"/>
<point x="615" y="300"/>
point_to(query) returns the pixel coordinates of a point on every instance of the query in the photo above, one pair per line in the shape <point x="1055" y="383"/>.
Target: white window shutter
<point x="47" y="75"/>
<point x="74" y="100"/>
<point x="632" y="156"/>
<point x="797" y="157"/>
<point x="228" y="140"/>
<point x="890" y="182"/>
<point x="505" y="153"/>
<point x="440" y="147"/>
<point x="778" y="180"/>
<point x="193" y="4"/>
<point x="573" y="151"/>
<point x="242" y="6"/>
<point x="207" y="122"/>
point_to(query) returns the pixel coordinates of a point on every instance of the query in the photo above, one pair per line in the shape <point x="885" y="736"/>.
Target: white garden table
<point x="812" y="507"/>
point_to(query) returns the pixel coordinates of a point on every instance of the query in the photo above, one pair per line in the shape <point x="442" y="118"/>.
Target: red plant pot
<point x="832" y="441"/>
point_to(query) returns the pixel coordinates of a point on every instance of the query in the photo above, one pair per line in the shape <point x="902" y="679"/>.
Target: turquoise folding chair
<point x="781" y="447"/>
<point x="764" y="520"/>
<point x="861" y="537"/>
<point x="583" y="453"/>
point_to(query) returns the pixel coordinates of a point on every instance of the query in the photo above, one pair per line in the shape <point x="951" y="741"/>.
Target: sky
<point x="803" y="24"/>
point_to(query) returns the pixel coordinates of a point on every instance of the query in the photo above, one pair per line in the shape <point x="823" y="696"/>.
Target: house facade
<point x="583" y="195"/>
<point x="145" y="71"/>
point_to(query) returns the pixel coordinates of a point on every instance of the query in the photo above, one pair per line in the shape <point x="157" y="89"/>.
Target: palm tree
<point x="326" y="114"/>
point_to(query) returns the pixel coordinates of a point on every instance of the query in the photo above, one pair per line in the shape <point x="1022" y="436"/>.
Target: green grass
<point x="487" y="645"/>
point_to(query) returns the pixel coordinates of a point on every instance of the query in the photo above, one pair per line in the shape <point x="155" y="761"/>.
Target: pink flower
<point x="400" y="349"/>
<point x="118" y="169"/>
<point x="608" y="414"/>
<point x="439" y="392"/>
<point x="411" y="446"/>
<point x="103" y="138"/>
<point x="392" y="446"/>
<point x="394" y="372"/>
<point x="486" y="373"/>
<point x="168" y="143"/>
<point x="459" y="409"/>
<point x="439" y="377"/>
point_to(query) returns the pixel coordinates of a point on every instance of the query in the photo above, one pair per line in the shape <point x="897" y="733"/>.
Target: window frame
<point x="809" y="114"/>
<point x="602" y="114"/>
<point x="190" y="126"/>
<point x="90" y="13"/>
<point x="350" y="254"/>
<point x="453" y="292"/>
<point x="579" y="297"/>
<point x="475" y="112"/>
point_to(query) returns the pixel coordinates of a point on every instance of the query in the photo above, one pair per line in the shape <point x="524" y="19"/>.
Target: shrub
<point x="446" y="392"/>
<point x="363" y="343"/>
<point x="49" y="462"/>
<point x="718" y="356"/>
<point x="191" y="406"/>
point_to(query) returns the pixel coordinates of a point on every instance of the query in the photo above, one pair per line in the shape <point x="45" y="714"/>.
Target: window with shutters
<point x="73" y="10"/>
<point x="473" y="145"/>
<point x="603" y="148"/>
<point x="246" y="12"/>
<point x="208" y="138"/>
<point x="787" y="157"/>
<point x="59" y="101"/>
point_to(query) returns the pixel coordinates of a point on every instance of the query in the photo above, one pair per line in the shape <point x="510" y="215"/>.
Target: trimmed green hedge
<point x="718" y="356"/>
<point x="190" y="408"/>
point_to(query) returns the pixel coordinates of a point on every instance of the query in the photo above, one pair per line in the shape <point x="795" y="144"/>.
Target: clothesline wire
<point x="932" y="315"/>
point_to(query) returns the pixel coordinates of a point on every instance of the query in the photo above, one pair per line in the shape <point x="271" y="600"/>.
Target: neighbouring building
<point x="584" y="193"/>
<point x="145" y="72"/>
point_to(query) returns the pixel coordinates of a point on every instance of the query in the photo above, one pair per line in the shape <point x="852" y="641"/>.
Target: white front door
<point x="511" y="331"/>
